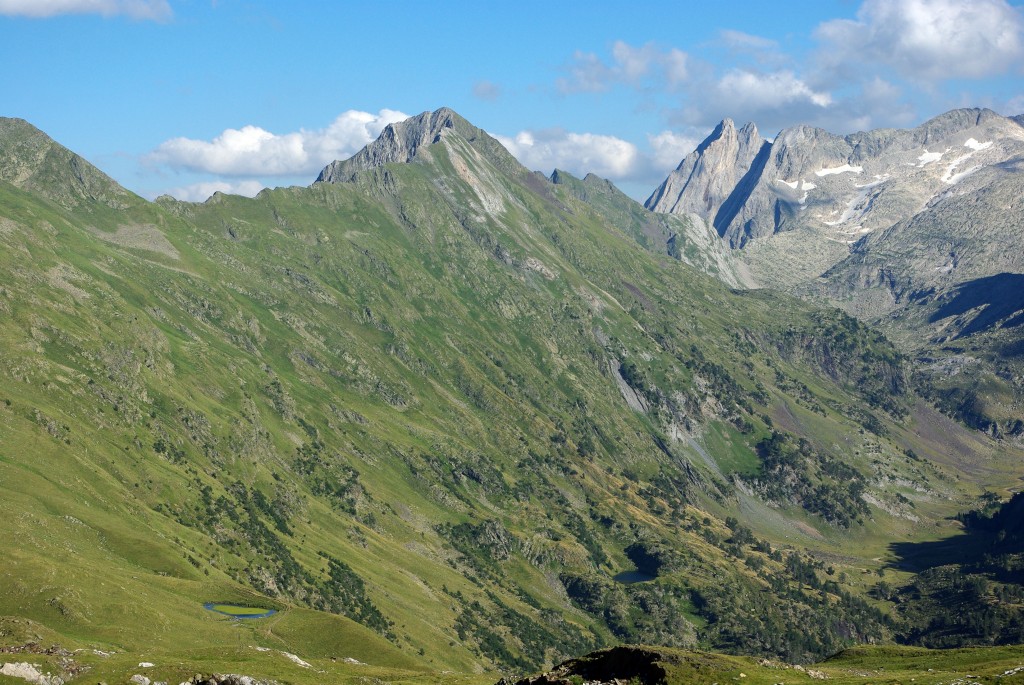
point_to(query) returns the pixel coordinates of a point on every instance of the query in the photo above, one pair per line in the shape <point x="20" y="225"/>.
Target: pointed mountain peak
<point x="702" y="181"/>
<point x="725" y="130"/>
<point x="33" y="161"/>
<point x="725" y="136"/>
<point x="401" y="143"/>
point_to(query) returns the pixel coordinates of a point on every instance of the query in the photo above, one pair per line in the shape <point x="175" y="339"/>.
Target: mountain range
<point x="445" y="414"/>
<point x="917" y="232"/>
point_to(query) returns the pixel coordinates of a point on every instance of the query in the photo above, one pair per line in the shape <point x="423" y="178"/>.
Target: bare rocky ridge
<point x="841" y="187"/>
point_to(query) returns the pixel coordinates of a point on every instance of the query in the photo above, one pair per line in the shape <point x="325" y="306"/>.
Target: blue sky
<point x="192" y="96"/>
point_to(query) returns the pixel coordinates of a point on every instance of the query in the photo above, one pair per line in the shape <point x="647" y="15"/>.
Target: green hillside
<point x="429" y="414"/>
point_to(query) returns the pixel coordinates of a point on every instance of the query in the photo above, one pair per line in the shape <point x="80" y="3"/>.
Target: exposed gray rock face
<point x="959" y="238"/>
<point x="842" y="187"/>
<point x="706" y="178"/>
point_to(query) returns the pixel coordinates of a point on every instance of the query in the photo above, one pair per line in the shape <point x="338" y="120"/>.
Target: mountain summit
<point x="401" y="142"/>
<point x="707" y="177"/>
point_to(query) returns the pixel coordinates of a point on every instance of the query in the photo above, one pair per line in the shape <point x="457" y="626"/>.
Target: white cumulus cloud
<point x="928" y="39"/>
<point x="254" y="151"/>
<point x="158" y="10"/>
<point x="668" y="148"/>
<point x="768" y="91"/>
<point x="577" y="153"/>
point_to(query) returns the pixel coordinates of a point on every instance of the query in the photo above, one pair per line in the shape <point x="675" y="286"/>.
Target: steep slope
<point x="34" y="162"/>
<point x="710" y="176"/>
<point x="685" y="237"/>
<point x="430" y="413"/>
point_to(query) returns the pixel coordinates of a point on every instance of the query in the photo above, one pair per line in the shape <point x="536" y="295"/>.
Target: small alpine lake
<point x="238" y="610"/>
<point x="631" y="577"/>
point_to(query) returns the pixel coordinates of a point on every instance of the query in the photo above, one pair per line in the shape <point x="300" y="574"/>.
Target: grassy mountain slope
<point x="429" y="413"/>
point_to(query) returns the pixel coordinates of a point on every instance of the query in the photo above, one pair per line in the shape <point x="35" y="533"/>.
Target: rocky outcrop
<point x="618" y="664"/>
<point x="30" y="673"/>
<point x="225" y="679"/>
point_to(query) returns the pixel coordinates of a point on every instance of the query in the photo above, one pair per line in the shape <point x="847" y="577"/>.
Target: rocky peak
<point x="801" y="150"/>
<point x="401" y="143"/>
<point x="704" y="179"/>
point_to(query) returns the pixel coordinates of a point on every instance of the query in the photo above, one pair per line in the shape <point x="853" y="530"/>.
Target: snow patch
<point x="846" y="168"/>
<point x="791" y="184"/>
<point x="879" y="179"/>
<point x="951" y="177"/>
<point x="975" y="145"/>
<point x="859" y="204"/>
<point x="807" y="186"/>
<point x="956" y="178"/>
<point x="929" y="157"/>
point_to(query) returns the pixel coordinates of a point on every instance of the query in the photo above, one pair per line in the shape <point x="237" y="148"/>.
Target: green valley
<point x="427" y="409"/>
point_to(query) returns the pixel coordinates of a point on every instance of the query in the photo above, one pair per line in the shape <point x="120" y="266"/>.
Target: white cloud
<point x="776" y="100"/>
<point x="198" y="192"/>
<point x="773" y="100"/>
<point x="254" y="151"/>
<point x="669" y="148"/>
<point x="158" y="10"/>
<point x="759" y="91"/>
<point x="928" y="39"/>
<point x="763" y="51"/>
<point x="577" y="153"/>
<point x="632" y="66"/>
